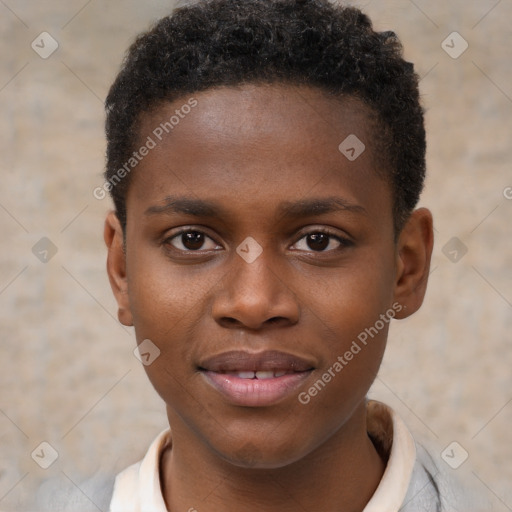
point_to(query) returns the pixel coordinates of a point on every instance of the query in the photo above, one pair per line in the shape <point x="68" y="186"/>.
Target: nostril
<point x="253" y="323"/>
<point x="228" y="321"/>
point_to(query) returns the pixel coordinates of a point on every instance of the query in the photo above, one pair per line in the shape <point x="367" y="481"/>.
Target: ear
<point x="414" y="250"/>
<point x="116" y="267"/>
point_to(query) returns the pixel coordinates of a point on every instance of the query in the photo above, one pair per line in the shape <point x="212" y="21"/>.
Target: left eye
<point x="192" y="241"/>
<point x="319" y="242"/>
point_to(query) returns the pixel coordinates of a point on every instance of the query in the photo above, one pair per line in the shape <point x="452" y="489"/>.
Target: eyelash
<point x="344" y="242"/>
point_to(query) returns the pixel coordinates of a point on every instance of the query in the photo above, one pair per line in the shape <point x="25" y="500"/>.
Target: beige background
<point x="67" y="372"/>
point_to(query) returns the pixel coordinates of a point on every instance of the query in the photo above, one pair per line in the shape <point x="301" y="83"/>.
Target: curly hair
<point x="315" y="43"/>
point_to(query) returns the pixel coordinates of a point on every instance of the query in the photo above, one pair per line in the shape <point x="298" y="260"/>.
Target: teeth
<point x="265" y="375"/>
<point x="262" y="374"/>
<point x="246" y="375"/>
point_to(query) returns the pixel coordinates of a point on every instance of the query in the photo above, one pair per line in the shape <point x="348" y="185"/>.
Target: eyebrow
<point x="288" y="209"/>
<point x="318" y="206"/>
<point x="188" y="206"/>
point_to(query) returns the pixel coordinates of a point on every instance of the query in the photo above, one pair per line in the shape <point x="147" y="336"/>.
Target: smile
<point x="255" y="380"/>
<point x="261" y="374"/>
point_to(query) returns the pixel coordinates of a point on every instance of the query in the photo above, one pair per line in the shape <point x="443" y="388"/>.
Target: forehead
<point x="280" y="139"/>
<point x="251" y="110"/>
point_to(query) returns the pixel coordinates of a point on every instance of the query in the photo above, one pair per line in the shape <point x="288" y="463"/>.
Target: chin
<point x="262" y="455"/>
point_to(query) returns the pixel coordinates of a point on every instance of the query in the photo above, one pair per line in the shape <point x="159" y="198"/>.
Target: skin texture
<point x="249" y="150"/>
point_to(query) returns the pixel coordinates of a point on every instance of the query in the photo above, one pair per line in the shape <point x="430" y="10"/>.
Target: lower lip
<point x="255" y="392"/>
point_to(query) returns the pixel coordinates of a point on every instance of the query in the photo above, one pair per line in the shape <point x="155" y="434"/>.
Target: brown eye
<point x="318" y="241"/>
<point x="192" y="241"/>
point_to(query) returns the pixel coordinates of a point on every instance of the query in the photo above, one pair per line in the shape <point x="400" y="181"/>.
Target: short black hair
<point x="316" y="43"/>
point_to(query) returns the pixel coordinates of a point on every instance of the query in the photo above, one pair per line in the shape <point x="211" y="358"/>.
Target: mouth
<point x="255" y="380"/>
<point x="259" y="374"/>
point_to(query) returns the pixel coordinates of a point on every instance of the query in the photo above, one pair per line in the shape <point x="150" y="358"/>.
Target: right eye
<point x="191" y="241"/>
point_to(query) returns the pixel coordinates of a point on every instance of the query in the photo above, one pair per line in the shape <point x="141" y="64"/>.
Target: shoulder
<point x="416" y="469"/>
<point x="436" y="488"/>
<point x="65" y="494"/>
<point x="103" y="491"/>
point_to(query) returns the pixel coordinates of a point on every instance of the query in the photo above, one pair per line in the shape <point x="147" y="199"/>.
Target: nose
<point x="255" y="296"/>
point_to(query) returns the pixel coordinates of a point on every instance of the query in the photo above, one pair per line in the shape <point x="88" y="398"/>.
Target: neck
<point x="340" y="474"/>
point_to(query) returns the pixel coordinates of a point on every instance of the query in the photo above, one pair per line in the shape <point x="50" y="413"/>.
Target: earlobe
<point x="414" y="251"/>
<point x="116" y="267"/>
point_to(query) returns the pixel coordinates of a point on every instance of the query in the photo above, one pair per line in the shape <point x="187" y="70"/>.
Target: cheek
<point x="351" y="322"/>
<point x="165" y="308"/>
<point x="164" y="298"/>
<point x="350" y="299"/>
<point x="351" y="314"/>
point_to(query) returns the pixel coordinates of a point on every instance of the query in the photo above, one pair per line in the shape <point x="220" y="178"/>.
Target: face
<point x="258" y="258"/>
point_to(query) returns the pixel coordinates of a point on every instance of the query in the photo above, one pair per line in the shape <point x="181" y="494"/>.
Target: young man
<point x="265" y="158"/>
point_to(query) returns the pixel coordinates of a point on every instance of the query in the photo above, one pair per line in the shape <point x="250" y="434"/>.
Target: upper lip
<point x="268" y="360"/>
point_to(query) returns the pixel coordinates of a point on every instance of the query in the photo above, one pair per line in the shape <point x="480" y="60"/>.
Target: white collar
<point x="137" y="488"/>
<point x="392" y="489"/>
